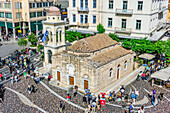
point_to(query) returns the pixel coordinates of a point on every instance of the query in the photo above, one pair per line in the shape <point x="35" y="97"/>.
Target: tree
<point x="100" y="28"/>
<point x="32" y="38"/>
<point x="161" y="46"/>
<point x="114" y="36"/>
<point x="22" y="42"/>
<point x="72" y="36"/>
<point x="127" y="44"/>
<point x="87" y="35"/>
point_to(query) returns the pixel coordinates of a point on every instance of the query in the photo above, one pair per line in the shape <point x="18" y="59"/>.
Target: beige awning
<point x="147" y="56"/>
<point x="163" y="74"/>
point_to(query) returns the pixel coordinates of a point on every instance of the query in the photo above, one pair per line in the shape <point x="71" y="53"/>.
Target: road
<point x="8" y="47"/>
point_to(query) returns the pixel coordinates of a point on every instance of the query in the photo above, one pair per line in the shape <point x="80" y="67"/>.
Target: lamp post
<point x="19" y="16"/>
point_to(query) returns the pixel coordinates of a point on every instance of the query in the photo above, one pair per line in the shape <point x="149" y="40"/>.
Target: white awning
<point x="147" y="56"/>
<point x="163" y="74"/>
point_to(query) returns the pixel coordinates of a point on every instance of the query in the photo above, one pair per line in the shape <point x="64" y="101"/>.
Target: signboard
<point x="102" y="101"/>
<point x="64" y="13"/>
<point x="19" y="31"/>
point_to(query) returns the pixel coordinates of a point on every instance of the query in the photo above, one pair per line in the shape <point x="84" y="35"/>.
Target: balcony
<point x="123" y="30"/>
<point x="82" y="10"/>
<point x="161" y="9"/>
<point x="124" y="11"/>
<point x="83" y="24"/>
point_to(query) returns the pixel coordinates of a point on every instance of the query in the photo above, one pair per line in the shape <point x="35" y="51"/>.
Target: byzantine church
<point x="94" y="63"/>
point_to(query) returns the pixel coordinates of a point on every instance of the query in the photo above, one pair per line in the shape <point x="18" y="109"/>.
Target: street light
<point x="19" y="16"/>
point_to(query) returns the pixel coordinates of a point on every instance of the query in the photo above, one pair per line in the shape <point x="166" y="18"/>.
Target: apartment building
<point x="127" y="18"/>
<point x="22" y="14"/>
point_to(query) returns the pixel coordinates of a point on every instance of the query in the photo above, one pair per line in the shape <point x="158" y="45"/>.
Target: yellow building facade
<point x="168" y="12"/>
<point x="22" y="14"/>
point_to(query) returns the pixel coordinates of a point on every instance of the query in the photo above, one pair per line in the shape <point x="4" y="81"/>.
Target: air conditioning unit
<point x="66" y="20"/>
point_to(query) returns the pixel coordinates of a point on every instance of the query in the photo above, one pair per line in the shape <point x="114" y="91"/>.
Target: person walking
<point x="161" y="96"/>
<point x="1" y="96"/>
<point x="12" y="80"/>
<point x="93" y="107"/>
<point x="142" y="109"/>
<point x="49" y="78"/>
<point x="154" y="93"/>
<point x="16" y="78"/>
<point x="98" y="104"/>
<point x="61" y="107"/>
<point x="84" y="100"/>
<point x="130" y="107"/>
<point x="1" y="76"/>
<point x="74" y="91"/>
<point x="29" y="89"/>
<point x="33" y="88"/>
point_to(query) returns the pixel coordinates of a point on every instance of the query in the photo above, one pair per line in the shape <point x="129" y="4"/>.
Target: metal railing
<point x="82" y="24"/>
<point x="82" y="9"/>
<point x="124" y="11"/>
<point x="126" y="30"/>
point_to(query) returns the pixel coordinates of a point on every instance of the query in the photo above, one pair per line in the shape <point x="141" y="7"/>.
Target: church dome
<point x="53" y="11"/>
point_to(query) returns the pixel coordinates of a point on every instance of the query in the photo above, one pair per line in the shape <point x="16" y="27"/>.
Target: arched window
<point x="71" y="70"/>
<point x="125" y="65"/>
<point x="118" y="71"/>
<point x="111" y="73"/>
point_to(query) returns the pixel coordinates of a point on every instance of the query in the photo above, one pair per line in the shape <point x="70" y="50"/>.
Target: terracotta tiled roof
<point x="92" y="43"/>
<point x="108" y="56"/>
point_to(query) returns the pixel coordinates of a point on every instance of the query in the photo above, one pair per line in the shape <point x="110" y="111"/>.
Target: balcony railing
<point x="161" y="9"/>
<point x="123" y="30"/>
<point x="83" y="24"/>
<point x="124" y="11"/>
<point x="82" y="9"/>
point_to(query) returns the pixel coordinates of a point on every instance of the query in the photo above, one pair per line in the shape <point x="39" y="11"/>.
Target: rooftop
<point x="53" y="11"/>
<point x="108" y="56"/>
<point x="92" y="43"/>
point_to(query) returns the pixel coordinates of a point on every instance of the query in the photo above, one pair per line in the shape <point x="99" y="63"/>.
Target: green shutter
<point x="40" y="25"/>
<point x="33" y="26"/>
<point x="2" y="24"/>
<point x="9" y="25"/>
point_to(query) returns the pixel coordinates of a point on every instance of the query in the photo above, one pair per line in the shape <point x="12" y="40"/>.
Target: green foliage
<point x="40" y="47"/>
<point x="33" y="46"/>
<point x="32" y="38"/>
<point x="160" y="46"/>
<point x="127" y="44"/>
<point x="114" y="36"/>
<point x="22" y="42"/>
<point x="72" y="36"/>
<point x="87" y="35"/>
<point x="100" y="28"/>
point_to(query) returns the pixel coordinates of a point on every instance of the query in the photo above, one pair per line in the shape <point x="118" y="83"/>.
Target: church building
<point x="90" y="63"/>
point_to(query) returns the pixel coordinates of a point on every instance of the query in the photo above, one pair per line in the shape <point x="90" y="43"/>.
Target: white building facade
<point x="127" y="18"/>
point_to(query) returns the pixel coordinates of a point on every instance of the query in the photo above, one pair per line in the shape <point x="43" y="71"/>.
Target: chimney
<point x="55" y="2"/>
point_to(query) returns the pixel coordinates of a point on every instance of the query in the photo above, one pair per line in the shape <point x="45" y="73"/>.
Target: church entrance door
<point x="71" y="79"/>
<point x="58" y="76"/>
<point x="118" y="70"/>
<point x="86" y="84"/>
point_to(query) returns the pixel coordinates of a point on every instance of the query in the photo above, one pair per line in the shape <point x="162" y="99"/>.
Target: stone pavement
<point x="25" y="100"/>
<point x="42" y="97"/>
<point x="12" y="104"/>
